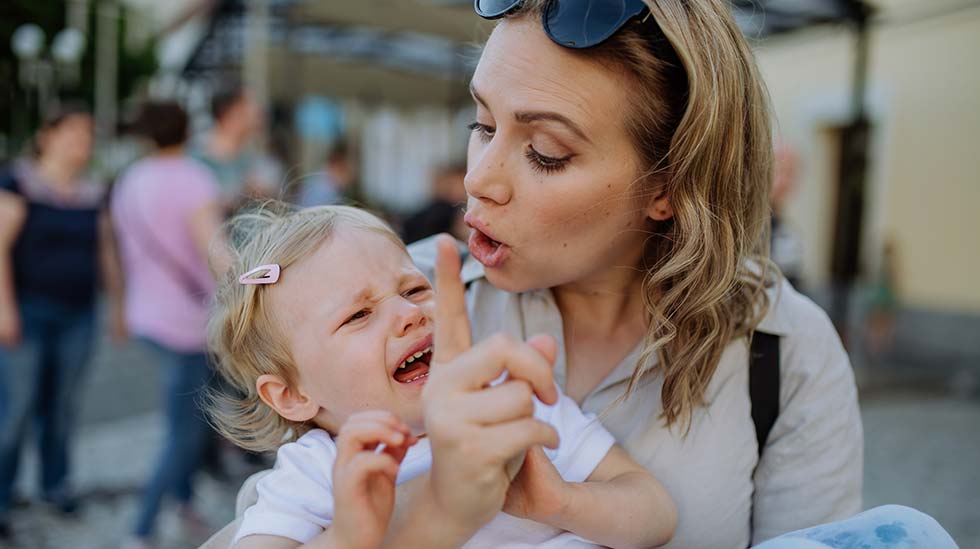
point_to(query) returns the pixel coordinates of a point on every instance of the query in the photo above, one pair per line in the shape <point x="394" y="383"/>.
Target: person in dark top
<point x="445" y="213"/>
<point x="54" y="244"/>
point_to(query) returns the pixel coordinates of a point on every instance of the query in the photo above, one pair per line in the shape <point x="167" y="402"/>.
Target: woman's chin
<point x="508" y="279"/>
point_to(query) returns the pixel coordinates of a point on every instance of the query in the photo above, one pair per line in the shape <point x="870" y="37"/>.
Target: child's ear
<point x="289" y="403"/>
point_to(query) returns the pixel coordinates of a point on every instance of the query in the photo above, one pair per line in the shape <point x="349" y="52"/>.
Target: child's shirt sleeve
<point x="583" y="443"/>
<point x="296" y="497"/>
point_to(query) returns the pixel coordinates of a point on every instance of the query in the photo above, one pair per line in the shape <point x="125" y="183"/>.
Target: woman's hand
<point x="538" y="492"/>
<point x="364" y="480"/>
<point x="477" y="429"/>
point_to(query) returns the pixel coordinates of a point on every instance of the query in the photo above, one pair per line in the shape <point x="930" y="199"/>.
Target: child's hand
<point x="363" y="480"/>
<point x="538" y="492"/>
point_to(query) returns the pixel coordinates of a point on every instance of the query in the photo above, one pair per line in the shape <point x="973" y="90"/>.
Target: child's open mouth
<point x="415" y="368"/>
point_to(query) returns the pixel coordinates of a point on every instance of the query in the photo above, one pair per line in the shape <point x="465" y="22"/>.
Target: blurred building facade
<point x="923" y="179"/>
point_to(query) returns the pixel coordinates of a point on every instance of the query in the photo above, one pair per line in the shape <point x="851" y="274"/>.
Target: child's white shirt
<point x="296" y="499"/>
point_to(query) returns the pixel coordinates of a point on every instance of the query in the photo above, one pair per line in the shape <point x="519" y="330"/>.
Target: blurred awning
<point x="450" y="19"/>
<point x="409" y="52"/>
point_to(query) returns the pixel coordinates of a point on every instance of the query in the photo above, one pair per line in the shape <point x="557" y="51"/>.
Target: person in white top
<point x="327" y="331"/>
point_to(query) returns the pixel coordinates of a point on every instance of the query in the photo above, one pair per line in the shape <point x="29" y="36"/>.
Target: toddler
<point x="325" y="329"/>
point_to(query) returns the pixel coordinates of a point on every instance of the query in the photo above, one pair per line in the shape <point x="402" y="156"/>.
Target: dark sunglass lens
<point x="494" y="8"/>
<point x="583" y="23"/>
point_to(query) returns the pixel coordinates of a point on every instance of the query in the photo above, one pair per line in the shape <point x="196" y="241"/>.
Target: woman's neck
<point x="170" y="152"/>
<point x="225" y="143"/>
<point x="603" y="305"/>
<point x="60" y="174"/>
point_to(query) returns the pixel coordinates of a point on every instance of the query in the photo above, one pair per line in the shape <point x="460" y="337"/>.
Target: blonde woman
<point x="618" y="176"/>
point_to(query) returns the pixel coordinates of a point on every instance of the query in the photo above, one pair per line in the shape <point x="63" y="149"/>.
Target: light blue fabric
<point x="885" y="527"/>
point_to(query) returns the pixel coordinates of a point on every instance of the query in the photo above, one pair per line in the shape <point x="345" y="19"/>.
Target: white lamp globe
<point x="68" y="46"/>
<point x="27" y="41"/>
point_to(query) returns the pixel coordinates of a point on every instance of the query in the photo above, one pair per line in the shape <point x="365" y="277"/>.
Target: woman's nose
<point x="486" y="180"/>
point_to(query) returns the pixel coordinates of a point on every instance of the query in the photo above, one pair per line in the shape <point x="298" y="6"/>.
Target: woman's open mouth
<point x="415" y="368"/>
<point x="486" y="250"/>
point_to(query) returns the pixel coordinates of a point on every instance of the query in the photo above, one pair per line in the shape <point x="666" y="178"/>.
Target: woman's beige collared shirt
<point x="811" y="469"/>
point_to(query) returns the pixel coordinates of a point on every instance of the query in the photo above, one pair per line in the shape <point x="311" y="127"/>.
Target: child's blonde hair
<point x="243" y="333"/>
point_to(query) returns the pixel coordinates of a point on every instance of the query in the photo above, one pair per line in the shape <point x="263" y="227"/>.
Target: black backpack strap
<point x="764" y="384"/>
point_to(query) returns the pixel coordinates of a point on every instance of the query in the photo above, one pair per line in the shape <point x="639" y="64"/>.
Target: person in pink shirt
<point x="166" y="213"/>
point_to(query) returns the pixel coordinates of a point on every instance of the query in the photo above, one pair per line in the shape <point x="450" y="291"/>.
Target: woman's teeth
<point x="412" y="358"/>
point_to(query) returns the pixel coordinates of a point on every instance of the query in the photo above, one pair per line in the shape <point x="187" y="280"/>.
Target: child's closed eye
<point x="363" y="313"/>
<point x="417" y="290"/>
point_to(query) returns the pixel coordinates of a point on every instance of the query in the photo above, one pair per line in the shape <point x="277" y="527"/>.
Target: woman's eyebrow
<point x="476" y="96"/>
<point x="526" y="117"/>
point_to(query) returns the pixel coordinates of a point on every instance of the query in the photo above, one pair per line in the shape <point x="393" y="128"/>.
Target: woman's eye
<point x="484" y="132"/>
<point x="546" y="164"/>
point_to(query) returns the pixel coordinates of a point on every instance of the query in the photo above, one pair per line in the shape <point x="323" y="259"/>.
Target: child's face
<point x="353" y="313"/>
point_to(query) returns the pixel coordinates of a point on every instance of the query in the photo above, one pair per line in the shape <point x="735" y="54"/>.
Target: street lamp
<point x="38" y="72"/>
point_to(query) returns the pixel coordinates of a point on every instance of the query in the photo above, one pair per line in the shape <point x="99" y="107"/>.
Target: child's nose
<point x="411" y="317"/>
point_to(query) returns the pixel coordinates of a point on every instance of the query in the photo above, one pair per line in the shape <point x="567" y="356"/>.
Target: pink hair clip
<point x="270" y="275"/>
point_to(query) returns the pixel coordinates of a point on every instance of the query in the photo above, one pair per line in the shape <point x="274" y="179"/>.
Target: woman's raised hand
<point x="477" y="429"/>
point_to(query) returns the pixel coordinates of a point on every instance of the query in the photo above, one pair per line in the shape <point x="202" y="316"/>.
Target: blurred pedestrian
<point x="226" y="149"/>
<point x="54" y="231"/>
<point x="167" y="211"/>
<point x="444" y="214"/>
<point x="883" y="305"/>
<point x="333" y="185"/>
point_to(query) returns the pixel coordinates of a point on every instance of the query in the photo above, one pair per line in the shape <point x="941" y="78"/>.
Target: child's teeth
<point x="419" y="354"/>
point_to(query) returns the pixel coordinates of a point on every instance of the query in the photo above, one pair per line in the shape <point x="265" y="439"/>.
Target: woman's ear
<point x="289" y="403"/>
<point x="659" y="208"/>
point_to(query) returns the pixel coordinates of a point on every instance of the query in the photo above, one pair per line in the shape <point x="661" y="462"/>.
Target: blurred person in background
<point x="883" y="305"/>
<point x="226" y="149"/>
<point x="445" y="213"/>
<point x="167" y="210"/>
<point x="333" y="185"/>
<point x="54" y="239"/>
<point x="786" y="246"/>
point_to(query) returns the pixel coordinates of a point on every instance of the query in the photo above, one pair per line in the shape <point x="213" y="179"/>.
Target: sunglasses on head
<point x="572" y="23"/>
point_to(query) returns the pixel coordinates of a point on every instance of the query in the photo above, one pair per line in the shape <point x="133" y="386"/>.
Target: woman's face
<point x="552" y="173"/>
<point x="70" y="141"/>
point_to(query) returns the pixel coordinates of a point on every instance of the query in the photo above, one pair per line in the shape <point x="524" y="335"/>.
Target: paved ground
<point x="922" y="450"/>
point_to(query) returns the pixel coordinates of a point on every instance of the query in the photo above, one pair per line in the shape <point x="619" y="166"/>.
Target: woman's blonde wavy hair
<point x="243" y="333"/>
<point x="699" y="120"/>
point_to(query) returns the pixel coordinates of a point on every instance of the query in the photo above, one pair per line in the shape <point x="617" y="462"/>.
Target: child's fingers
<point x="365" y="464"/>
<point x="398" y="452"/>
<point x="365" y="434"/>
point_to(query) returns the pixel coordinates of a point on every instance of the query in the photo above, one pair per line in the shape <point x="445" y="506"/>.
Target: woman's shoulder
<point x="793" y="314"/>
<point x="809" y="343"/>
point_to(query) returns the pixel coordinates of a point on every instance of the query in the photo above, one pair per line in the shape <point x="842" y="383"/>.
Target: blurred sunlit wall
<point x="924" y="173"/>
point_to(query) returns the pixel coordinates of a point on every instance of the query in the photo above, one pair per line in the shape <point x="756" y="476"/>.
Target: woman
<point x="166" y="211"/>
<point x="619" y="187"/>
<point x="54" y="239"/>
